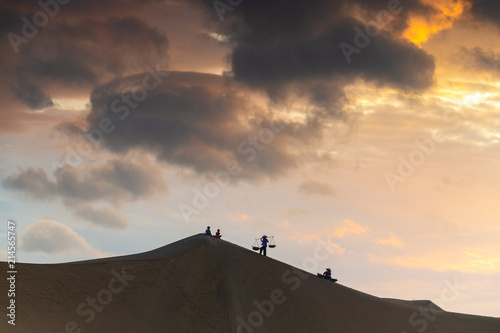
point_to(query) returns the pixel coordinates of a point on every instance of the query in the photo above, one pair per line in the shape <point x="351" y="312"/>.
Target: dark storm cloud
<point x="486" y="10"/>
<point x="82" y="7"/>
<point x="289" y="49"/>
<point x="281" y="42"/>
<point x="8" y="21"/>
<point x="482" y="60"/>
<point x="82" y="44"/>
<point x="116" y="182"/>
<point x="82" y="53"/>
<point x="65" y="69"/>
<point x="194" y="120"/>
<point x="399" y="21"/>
<point x="394" y="63"/>
<point x="31" y="95"/>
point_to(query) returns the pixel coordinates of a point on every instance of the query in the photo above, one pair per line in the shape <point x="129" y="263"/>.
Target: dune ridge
<point x="203" y="284"/>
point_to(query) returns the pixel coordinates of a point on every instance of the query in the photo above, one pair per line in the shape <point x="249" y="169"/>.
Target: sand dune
<point x="203" y="284"/>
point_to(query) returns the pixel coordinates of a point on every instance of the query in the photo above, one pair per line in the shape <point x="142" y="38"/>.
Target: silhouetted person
<point x="263" y="247"/>
<point x="208" y="231"/>
<point x="327" y="275"/>
<point x="218" y="234"/>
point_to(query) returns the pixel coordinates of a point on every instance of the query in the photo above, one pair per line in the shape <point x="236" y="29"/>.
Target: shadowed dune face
<point x="203" y="284"/>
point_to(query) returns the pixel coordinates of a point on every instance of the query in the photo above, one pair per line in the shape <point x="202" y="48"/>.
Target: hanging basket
<point x="272" y="244"/>
<point x="255" y="246"/>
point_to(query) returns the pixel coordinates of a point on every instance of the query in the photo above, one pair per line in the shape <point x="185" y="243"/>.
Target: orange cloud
<point x="336" y="249"/>
<point x="390" y="241"/>
<point x="319" y="241"/>
<point x="239" y="218"/>
<point x="463" y="261"/>
<point x="421" y="28"/>
<point x="349" y="227"/>
<point x="303" y="237"/>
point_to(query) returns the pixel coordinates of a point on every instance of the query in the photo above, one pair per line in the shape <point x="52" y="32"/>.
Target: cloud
<point x="32" y="95"/>
<point x="336" y="249"/>
<point x="349" y="227"/>
<point x="299" y="214"/>
<point x="116" y="182"/>
<point x="55" y="239"/>
<point x="460" y="260"/>
<point x="302" y="237"/>
<point x="320" y="57"/>
<point x="390" y="241"/>
<point x="34" y="182"/>
<point x="485" y="10"/>
<point x="313" y="187"/>
<point x="199" y="121"/>
<point x="300" y="52"/>
<point x="105" y="217"/>
<point x="478" y="59"/>
<point x="64" y="50"/>
<point x="189" y="120"/>
<point x="440" y="15"/>
<point x="239" y="218"/>
<point x="317" y="238"/>
<point x="80" y="46"/>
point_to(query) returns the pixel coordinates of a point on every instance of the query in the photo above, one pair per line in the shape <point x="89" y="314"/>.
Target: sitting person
<point x="218" y="234"/>
<point x="327" y="275"/>
<point x="208" y="231"/>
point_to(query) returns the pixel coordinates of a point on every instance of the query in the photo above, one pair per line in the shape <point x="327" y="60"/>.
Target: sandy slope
<point x="202" y="284"/>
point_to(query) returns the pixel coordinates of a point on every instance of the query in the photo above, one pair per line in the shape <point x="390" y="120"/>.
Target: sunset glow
<point x="128" y="125"/>
<point x="421" y="28"/>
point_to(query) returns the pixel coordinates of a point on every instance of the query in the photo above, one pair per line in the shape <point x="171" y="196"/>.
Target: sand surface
<point x="203" y="284"/>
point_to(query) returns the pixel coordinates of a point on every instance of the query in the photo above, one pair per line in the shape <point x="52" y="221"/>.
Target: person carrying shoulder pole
<point x="263" y="247"/>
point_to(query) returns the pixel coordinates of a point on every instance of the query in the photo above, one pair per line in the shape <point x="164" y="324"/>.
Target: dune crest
<point x="203" y="284"/>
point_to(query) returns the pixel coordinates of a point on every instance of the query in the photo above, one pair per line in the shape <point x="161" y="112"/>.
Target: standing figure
<point x="208" y="231"/>
<point x="263" y="247"/>
<point x="218" y="234"/>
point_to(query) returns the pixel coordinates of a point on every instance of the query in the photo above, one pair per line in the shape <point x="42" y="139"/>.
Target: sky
<point x="366" y="130"/>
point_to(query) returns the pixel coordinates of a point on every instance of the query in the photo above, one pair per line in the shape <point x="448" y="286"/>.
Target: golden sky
<point x="126" y="126"/>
